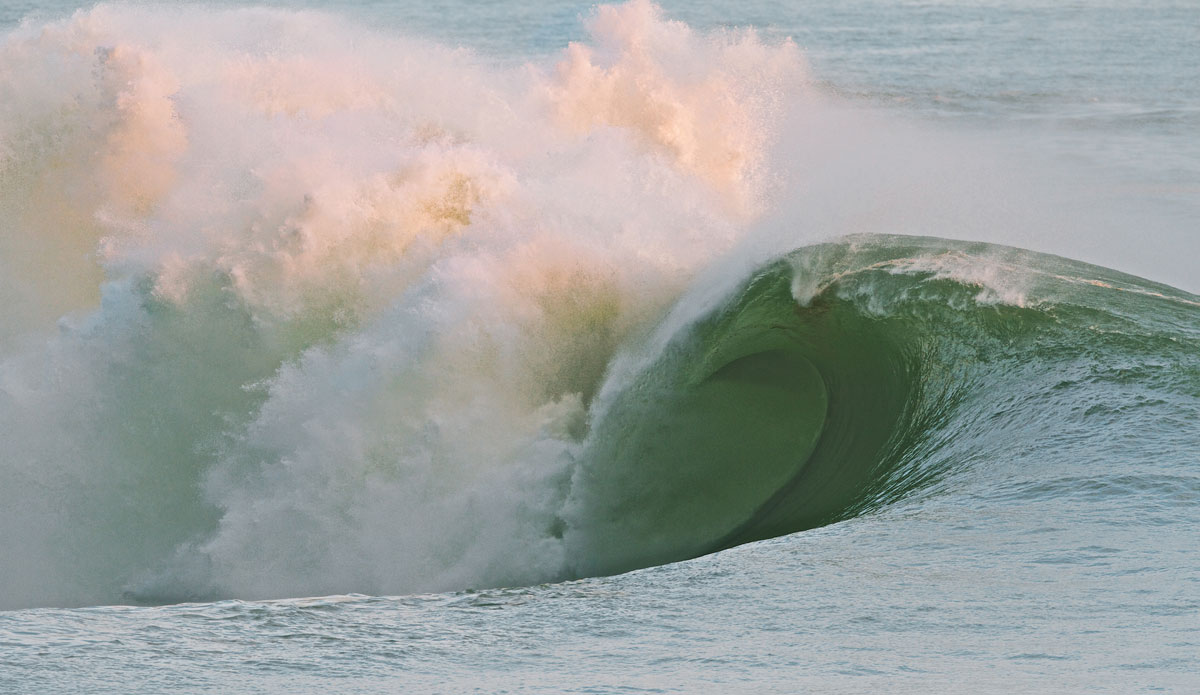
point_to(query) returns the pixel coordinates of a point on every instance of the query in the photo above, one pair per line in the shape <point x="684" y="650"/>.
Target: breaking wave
<point x="287" y="318"/>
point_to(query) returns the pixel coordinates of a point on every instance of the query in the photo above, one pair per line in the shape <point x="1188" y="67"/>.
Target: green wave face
<point x="844" y="376"/>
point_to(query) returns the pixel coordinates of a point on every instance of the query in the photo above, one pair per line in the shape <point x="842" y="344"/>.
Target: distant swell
<point x="294" y="308"/>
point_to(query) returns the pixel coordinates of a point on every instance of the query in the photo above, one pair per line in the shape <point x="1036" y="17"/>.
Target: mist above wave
<point x="330" y="305"/>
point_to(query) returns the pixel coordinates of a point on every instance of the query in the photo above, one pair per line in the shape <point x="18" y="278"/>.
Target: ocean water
<point x="549" y="347"/>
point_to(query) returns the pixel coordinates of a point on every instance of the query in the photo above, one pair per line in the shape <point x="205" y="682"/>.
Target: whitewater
<point x="580" y="349"/>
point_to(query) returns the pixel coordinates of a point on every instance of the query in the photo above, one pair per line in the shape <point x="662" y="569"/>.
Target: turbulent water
<point x="295" y="308"/>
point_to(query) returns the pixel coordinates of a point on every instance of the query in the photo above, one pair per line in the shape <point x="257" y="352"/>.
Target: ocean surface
<point x="563" y="348"/>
